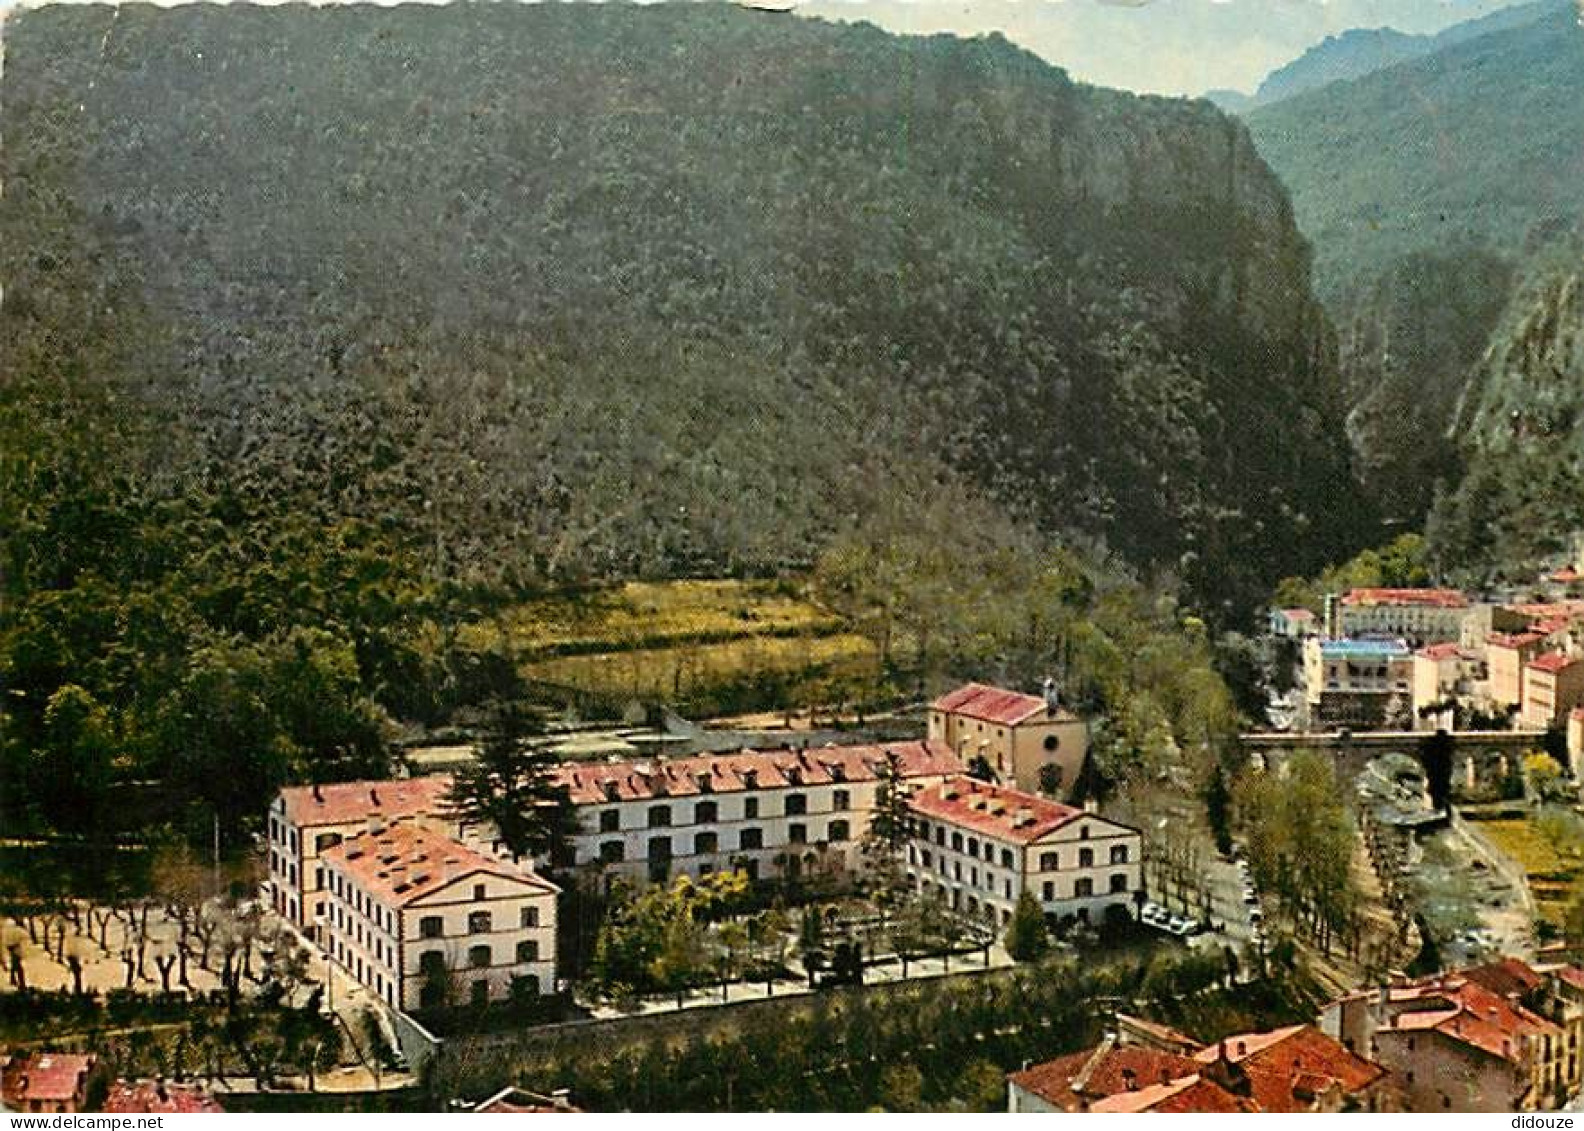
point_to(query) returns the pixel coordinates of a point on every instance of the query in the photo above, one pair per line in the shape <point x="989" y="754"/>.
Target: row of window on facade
<point x="661" y="848"/>
<point x="478" y="922"/>
<point x="708" y="812"/>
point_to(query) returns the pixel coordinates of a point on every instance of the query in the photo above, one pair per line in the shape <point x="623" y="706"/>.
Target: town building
<point x="1553" y="684"/>
<point x="1295" y="1069"/>
<point x="425" y="921"/>
<point x="46" y="1082"/>
<point x="792" y="811"/>
<point x="1418" y="616"/>
<point x="518" y="1101"/>
<point x="978" y="847"/>
<point x="1506" y="656"/>
<point x="1452" y="1044"/>
<point x="1358" y="683"/>
<point x="306" y="821"/>
<point x="160" y="1097"/>
<point x="1029" y="741"/>
<point x="1445" y="674"/>
<point x="1293" y="624"/>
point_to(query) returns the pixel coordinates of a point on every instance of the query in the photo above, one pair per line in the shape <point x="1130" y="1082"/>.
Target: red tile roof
<point x="150" y="1098"/>
<point x="343" y="803"/>
<point x="1298" y="614"/>
<point x="1552" y="662"/>
<point x="592" y="783"/>
<point x="1287" y="1068"/>
<point x="1185" y="1095"/>
<point x="1073" y="1082"/>
<point x="1447" y="651"/>
<point x="407" y="862"/>
<point x="991" y="704"/>
<point x="1514" y="640"/>
<point x="1566" y="575"/>
<point x="1508" y="977"/>
<point x="1437" y="598"/>
<point x="51" y="1077"/>
<point x="1467" y="1012"/>
<point x="1005" y="814"/>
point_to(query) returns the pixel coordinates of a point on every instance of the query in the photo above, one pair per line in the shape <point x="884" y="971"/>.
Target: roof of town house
<point x="1433" y="598"/>
<point x="1288" y="1067"/>
<point x="1507" y="976"/>
<point x="1074" y="1082"/>
<point x="341" y="803"/>
<point x="1552" y="662"/>
<point x="1164" y="1036"/>
<point x="637" y="780"/>
<point x="1184" y="1095"/>
<point x="1569" y="974"/>
<point x="1446" y="651"/>
<point x="406" y="862"/>
<point x="158" y="1097"/>
<point x="1514" y="639"/>
<point x="51" y="1077"/>
<point x="1467" y="1012"/>
<point x="1298" y="614"/>
<point x="517" y="1101"/>
<point x="994" y="811"/>
<point x="992" y="704"/>
<point x="1567" y="575"/>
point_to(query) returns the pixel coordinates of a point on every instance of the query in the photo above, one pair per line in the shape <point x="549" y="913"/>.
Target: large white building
<point x="979" y="847"/>
<point x="427" y="922"/>
<point x="1419" y="616"/>
<point x="306" y="821"/>
<point x="787" y="812"/>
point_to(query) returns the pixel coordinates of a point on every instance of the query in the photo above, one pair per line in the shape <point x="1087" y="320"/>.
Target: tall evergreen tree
<point x="511" y="785"/>
<point x="889" y="828"/>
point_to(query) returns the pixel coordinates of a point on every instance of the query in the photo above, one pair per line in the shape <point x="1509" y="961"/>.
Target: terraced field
<point x="706" y="647"/>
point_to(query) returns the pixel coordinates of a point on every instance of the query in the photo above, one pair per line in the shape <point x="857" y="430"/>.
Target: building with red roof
<point x="425" y="921"/>
<point x="47" y="1082"/>
<point x="159" y="1097"/>
<point x="307" y="820"/>
<point x="1032" y="742"/>
<point x="1454" y="1043"/>
<point x="1296" y="1069"/>
<point x="978" y="847"/>
<point x="1553" y="684"/>
<point x="1419" y="616"/>
<point x="517" y="1101"/>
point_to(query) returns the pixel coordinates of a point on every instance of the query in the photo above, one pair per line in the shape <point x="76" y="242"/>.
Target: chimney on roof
<point x="1091" y="806"/>
<point x="561" y="1098"/>
<point x="1165" y="1075"/>
<point x="374" y="796"/>
<point x="1025" y="816"/>
<point x="318" y="794"/>
<point x="1052" y="698"/>
<point x="1130" y="1079"/>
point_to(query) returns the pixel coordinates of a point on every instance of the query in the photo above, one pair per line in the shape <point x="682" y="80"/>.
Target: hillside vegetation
<point x="580" y="292"/>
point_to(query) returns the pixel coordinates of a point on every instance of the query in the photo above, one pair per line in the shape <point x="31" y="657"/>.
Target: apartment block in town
<point x="978" y="847"/>
<point x="1032" y="742"/>
<point x="426" y="922"/>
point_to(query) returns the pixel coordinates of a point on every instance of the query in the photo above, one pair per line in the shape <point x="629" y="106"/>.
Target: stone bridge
<point x="1477" y="754"/>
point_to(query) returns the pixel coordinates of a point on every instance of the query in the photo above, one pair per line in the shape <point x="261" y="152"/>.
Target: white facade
<point x="979" y="847"/>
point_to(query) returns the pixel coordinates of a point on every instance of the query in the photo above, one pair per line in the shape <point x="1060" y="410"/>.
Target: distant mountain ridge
<point x="1357" y="52"/>
<point x="595" y="290"/>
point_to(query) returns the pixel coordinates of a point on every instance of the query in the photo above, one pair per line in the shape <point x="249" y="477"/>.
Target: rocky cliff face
<point x="611" y="290"/>
<point x="1521" y="425"/>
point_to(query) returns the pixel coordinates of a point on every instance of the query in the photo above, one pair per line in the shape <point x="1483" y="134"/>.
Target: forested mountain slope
<point x="1522" y="428"/>
<point x="584" y="291"/>
<point x="1423" y="187"/>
